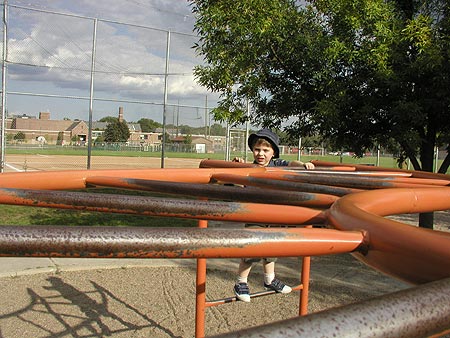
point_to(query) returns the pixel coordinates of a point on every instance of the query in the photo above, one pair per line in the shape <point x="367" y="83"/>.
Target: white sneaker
<point x="242" y="292"/>
<point x="278" y="286"/>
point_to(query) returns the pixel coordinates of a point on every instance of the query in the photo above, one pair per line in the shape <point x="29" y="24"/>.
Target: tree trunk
<point x="427" y="160"/>
<point x="426" y="220"/>
<point x="446" y="163"/>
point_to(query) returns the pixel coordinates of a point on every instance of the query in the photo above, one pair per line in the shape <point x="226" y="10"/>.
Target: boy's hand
<point x="238" y="159"/>
<point x="308" y="165"/>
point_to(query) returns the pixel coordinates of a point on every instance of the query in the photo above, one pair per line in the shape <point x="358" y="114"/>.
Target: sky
<point x="50" y="54"/>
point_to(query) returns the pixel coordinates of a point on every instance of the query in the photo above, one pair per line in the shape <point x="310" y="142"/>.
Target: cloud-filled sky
<point x="50" y="53"/>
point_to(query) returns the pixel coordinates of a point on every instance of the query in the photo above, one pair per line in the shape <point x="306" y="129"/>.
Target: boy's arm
<point x="307" y="165"/>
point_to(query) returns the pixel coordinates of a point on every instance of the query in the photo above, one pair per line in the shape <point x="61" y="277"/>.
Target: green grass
<point x="26" y="215"/>
<point x="21" y="215"/>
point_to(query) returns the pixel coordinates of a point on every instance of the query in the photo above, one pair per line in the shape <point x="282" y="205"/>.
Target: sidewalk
<point x="21" y="266"/>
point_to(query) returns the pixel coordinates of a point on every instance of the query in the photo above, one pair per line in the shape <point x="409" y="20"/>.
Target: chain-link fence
<point x="61" y="69"/>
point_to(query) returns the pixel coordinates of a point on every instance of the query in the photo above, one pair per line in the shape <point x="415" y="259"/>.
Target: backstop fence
<point x="79" y="67"/>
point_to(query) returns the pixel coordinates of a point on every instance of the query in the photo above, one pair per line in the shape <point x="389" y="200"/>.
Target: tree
<point x="148" y="125"/>
<point x="116" y="131"/>
<point x="20" y="136"/>
<point x="60" y="138"/>
<point x="217" y="130"/>
<point x="108" y="119"/>
<point x="359" y="72"/>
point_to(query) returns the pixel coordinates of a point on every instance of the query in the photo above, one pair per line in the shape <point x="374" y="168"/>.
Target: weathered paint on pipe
<point x="283" y="184"/>
<point x="249" y="194"/>
<point x="224" y="164"/>
<point x="141" y="242"/>
<point x="182" y="208"/>
<point x="65" y="180"/>
<point x="361" y="167"/>
<point x="413" y="254"/>
<point x="227" y="164"/>
<point x="356" y="182"/>
<point x="413" y="313"/>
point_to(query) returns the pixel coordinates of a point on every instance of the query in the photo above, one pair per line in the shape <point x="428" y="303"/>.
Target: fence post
<point x="3" y="121"/>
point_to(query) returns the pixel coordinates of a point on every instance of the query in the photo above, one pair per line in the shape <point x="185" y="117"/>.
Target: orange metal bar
<point x="104" y="242"/>
<point x="304" y="291"/>
<point x="352" y="181"/>
<point x="414" y="254"/>
<point x="210" y="210"/>
<point x="250" y="194"/>
<point x="224" y="164"/>
<point x="65" y="180"/>
<point x="228" y="164"/>
<point x="360" y="167"/>
<point x="421" y="311"/>
<point x="275" y="183"/>
<point x="200" y="299"/>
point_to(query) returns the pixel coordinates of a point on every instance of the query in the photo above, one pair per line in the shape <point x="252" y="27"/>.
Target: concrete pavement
<point x="20" y="266"/>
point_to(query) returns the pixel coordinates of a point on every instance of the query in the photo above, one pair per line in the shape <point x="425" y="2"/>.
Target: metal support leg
<point x="200" y="300"/>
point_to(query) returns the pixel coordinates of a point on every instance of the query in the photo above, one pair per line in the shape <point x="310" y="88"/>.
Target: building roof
<point x="44" y="125"/>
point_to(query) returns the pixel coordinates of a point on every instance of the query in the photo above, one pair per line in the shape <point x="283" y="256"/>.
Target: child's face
<point x="262" y="153"/>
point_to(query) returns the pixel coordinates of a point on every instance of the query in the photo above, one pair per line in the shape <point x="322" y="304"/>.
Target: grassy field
<point x="20" y="215"/>
<point x="25" y="215"/>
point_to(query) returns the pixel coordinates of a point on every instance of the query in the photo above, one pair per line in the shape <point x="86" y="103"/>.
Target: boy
<point x="264" y="145"/>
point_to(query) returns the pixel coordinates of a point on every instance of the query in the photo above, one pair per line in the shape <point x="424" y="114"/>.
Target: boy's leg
<point x="241" y="289"/>
<point x="270" y="282"/>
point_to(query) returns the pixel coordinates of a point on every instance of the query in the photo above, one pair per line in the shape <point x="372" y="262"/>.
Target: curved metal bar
<point x="414" y="254"/>
<point x="249" y="194"/>
<point x="139" y="242"/>
<point x="65" y="180"/>
<point x="414" y="313"/>
<point x="283" y="184"/>
<point x="194" y="209"/>
<point x="224" y="164"/>
<point x="349" y="181"/>
<point x="227" y="164"/>
<point x="360" y="167"/>
<point x="390" y="250"/>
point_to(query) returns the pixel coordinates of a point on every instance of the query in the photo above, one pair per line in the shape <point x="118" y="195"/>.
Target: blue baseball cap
<point x="268" y="135"/>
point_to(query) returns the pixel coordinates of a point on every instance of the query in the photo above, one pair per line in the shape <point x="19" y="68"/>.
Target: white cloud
<point x="130" y="60"/>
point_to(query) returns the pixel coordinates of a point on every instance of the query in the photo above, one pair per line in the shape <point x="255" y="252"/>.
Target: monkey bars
<point x="347" y="203"/>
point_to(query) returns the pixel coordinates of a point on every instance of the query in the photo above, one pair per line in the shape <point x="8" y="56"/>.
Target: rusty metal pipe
<point x="361" y="167"/>
<point x="413" y="313"/>
<point x="249" y="194"/>
<point x="227" y="164"/>
<point x="224" y="164"/>
<point x="356" y="182"/>
<point x="282" y="184"/>
<point x="182" y="208"/>
<point x="75" y="179"/>
<point x="141" y="242"/>
<point x="416" y="255"/>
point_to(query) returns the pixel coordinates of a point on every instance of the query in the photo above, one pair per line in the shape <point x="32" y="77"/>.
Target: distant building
<point x="43" y="130"/>
<point x="201" y="145"/>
